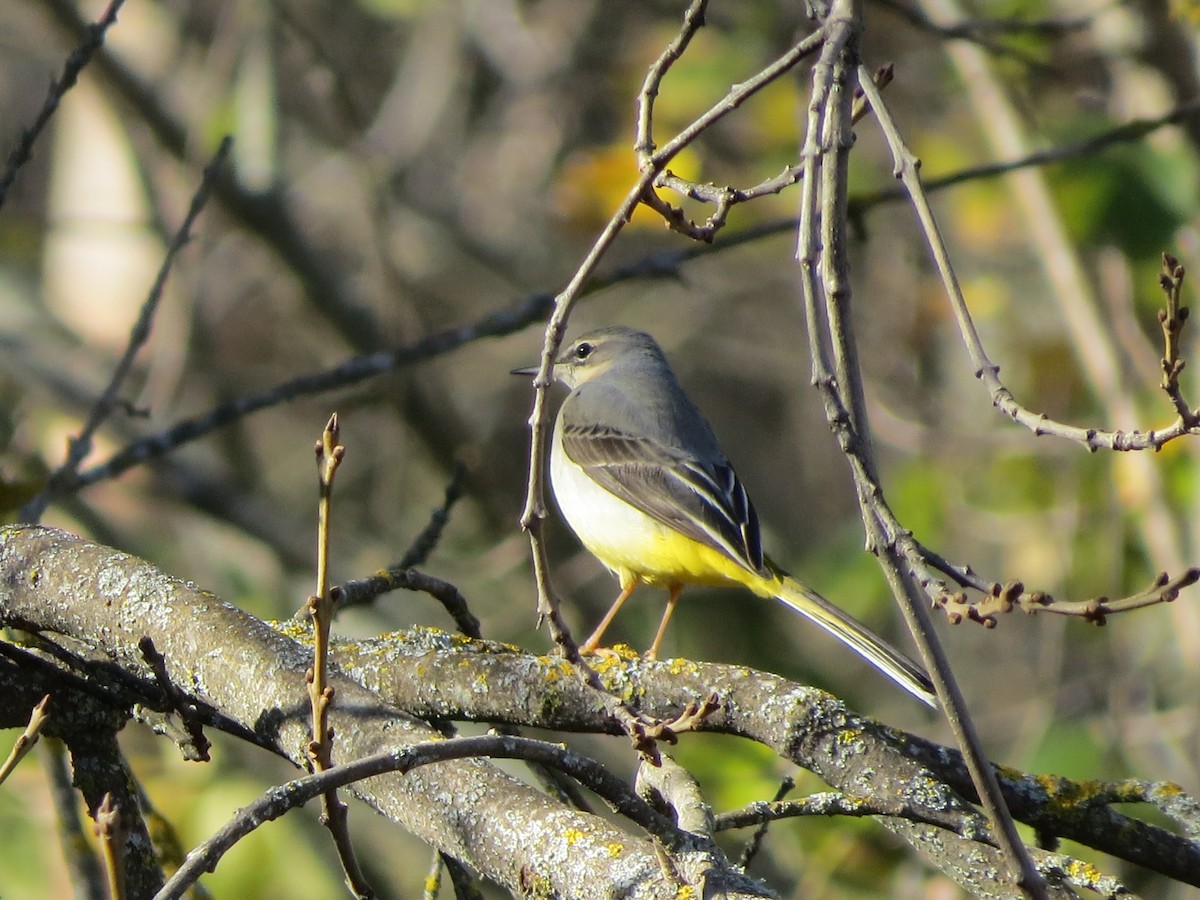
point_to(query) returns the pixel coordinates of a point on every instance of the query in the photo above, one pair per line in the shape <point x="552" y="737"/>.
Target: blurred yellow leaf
<point x="595" y="181"/>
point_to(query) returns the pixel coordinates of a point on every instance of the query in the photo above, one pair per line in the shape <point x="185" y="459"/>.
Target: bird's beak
<point x="529" y="371"/>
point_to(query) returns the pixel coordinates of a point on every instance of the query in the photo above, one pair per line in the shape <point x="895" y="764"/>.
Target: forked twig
<point x="724" y="198"/>
<point x="195" y="745"/>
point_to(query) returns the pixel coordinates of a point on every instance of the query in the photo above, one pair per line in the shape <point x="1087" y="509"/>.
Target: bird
<point x="640" y="478"/>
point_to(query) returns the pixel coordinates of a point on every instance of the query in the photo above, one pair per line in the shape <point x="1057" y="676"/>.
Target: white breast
<point x="617" y="534"/>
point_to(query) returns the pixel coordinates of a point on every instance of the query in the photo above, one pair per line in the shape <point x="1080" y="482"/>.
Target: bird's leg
<point x="590" y="645"/>
<point x="672" y="599"/>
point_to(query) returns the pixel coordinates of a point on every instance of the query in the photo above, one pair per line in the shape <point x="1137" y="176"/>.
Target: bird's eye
<point x="583" y="350"/>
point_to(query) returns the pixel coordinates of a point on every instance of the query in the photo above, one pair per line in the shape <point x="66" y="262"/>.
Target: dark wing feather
<point x="705" y="502"/>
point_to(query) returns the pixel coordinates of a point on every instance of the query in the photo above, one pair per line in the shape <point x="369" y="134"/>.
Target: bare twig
<point x="365" y="590"/>
<point x="111" y="832"/>
<point x="1001" y="599"/>
<point x="693" y="21"/>
<point x="75" y="63"/>
<point x="27" y="740"/>
<point x="1172" y="318"/>
<point x="334" y="815"/>
<point x="907" y="169"/>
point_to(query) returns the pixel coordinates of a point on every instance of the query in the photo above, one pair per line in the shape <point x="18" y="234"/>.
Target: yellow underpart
<point x="664" y="557"/>
<point x="635" y="545"/>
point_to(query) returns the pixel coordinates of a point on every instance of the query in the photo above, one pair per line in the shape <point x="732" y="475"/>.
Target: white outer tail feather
<point x="857" y="637"/>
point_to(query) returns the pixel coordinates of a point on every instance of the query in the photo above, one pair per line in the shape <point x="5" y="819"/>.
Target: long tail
<point x="855" y="635"/>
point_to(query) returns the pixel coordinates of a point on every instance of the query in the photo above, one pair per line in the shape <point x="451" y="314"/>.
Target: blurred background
<point x="402" y="168"/>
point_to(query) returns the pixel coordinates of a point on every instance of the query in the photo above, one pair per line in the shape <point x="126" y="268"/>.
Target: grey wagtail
<point x="640" y="478"/>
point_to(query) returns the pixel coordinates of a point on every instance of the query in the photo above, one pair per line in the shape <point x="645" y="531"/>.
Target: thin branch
<point x="352" y="371"/>
<point x="276" y="801"/>
<point x="907" y="169"/>
<point x="894" y="553"/>
<point x="835" y="803"/>
<point x="693" y="21"/>
<point x="75" y="64"/>
<point x="754" y="844"/>
<point x="79" y="447"/>
<point x="1001" y="599"/>
<point x="364" y="590"/>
